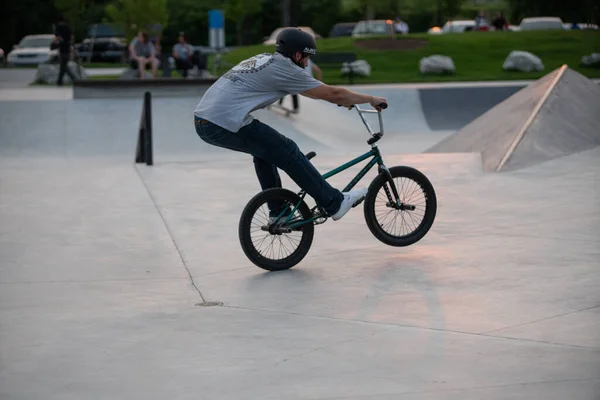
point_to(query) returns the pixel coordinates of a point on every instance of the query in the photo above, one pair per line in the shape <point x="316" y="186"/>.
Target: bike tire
<point x="430" y="207"/>
<point x="245" y="230"/>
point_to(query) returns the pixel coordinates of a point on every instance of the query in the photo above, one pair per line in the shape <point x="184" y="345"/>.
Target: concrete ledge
<point x="159" y="87"/>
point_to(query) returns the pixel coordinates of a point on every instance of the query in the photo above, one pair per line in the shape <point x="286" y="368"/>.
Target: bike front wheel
<point x="270" y="235"/>
<point x="405" y="222"/>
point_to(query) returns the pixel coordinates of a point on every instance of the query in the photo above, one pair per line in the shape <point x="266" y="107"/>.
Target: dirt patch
<point x="391" y="44"/>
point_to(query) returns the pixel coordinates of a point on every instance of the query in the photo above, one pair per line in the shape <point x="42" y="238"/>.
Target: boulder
<point x="437" y="64"/>
<point x="359" y="68"/>
<point x="523" y="61"/>
<point x="593" y="60"/>
<point x="48" y="73"/>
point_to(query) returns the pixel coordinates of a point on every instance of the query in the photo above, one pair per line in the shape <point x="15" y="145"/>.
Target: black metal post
<point x="148" y="125"/>
<point x="143" y="152"/>
<point x="140" y="151"/>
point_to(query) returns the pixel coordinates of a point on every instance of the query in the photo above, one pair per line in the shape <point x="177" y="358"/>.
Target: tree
<point x="72" y="10"/>
<point x="311" y="14"/>
<point x="370" y="8"/>
<point x="239" y="11"/>
<point x="573" y="10"/>
<point x="136" y="15"/>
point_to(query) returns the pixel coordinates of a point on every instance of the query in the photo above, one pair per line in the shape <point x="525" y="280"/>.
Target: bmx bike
<point x="285" y="224"/>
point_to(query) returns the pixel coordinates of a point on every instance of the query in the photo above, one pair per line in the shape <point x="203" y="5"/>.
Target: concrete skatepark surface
<point x="103" y="265"/>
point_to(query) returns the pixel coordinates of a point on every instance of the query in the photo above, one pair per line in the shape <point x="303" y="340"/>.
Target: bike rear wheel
<point x="271" y="245"/>
<point x="415" y="213"/>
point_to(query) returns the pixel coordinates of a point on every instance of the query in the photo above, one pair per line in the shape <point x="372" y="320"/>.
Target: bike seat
<point x="311" y="155"/>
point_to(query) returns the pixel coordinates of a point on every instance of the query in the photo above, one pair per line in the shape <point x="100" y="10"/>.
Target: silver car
<point x="32" y="50"/>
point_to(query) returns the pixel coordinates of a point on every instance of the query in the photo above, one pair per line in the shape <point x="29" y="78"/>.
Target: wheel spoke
<point x="396" y="222"/>
<point x="266" y="243"/>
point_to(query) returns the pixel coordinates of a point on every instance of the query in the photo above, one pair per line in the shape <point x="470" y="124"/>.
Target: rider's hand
<point x="376" y="101"/>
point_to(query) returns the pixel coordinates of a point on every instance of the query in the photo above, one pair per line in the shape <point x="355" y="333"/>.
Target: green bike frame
<point x="376" y="158"/>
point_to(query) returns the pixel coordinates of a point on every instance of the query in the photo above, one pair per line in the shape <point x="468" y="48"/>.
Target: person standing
<point x="500" y="23"/>
<point x="401" y="26"/>
<point x="63" y="36"/>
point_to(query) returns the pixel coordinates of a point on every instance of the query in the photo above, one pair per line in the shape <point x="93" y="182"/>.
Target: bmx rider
<point x="222" y="117"/>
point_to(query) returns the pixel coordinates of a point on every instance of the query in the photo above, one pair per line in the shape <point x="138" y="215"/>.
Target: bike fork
<point x="396" y="199"/>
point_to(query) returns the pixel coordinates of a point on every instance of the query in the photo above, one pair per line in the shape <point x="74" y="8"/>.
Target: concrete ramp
<point x="555" y="116"/>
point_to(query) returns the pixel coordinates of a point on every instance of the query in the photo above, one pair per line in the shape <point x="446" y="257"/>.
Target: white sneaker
<point x="350" y="198"/>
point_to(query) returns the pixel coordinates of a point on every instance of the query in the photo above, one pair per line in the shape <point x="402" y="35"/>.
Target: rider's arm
<point x="308" y="95"/>
<point x="338" y="95"/>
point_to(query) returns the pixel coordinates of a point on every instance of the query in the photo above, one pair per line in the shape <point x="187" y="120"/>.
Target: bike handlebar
<point x="362" y="111"/>
<point x="382" y="105"/>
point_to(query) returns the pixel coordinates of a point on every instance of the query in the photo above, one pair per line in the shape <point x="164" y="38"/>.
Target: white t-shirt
<point x="251" y="85"/>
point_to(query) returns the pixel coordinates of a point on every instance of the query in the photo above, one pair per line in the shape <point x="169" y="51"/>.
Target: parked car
<point x="342" y="29"/>
<point x="579" y="26"/>
<point x="541" y="23"/>
<point x="32" y="50"/>
<point x="106" y="42"/>
<point x="270" y="40"/>
<point x="458" y="26"/>
<point x="105" y="30"/>
<point x="374" y="28"/>
<point x="103" y="50"/>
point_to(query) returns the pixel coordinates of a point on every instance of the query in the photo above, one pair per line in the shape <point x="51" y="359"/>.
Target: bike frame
<point x="376" y="158"/>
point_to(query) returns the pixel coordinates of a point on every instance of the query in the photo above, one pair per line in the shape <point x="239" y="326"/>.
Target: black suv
<point x="106" y="43"/>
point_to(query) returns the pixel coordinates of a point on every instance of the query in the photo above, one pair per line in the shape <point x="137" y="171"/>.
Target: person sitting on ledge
<point x="182" y="53"/>
<point x="186" y="57"/>
<point x="143" y="54"/>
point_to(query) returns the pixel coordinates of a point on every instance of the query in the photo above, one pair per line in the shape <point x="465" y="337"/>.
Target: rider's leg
<point x="267" y="174"/>
<point x="268" y="177"/>
<point x="278" y="150"/>
<point x="267" y="144"/>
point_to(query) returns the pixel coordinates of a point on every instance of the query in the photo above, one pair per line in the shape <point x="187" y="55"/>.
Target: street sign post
<point x="216" y="29"/>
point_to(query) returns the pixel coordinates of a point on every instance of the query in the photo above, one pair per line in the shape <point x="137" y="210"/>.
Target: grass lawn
<point x="476" y="55"/>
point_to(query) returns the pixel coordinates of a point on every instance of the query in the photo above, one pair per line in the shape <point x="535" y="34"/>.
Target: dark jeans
<point x="272" y="150"/>
<point x="196" y="59"/>
<point x="64" y="68"/>
<point x="183" y="65"/>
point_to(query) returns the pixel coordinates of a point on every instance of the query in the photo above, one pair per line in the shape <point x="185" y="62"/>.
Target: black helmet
<point x="292" y="40"/>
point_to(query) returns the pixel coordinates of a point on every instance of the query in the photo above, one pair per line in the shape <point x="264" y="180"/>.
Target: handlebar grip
<point x="382" y="105"/>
